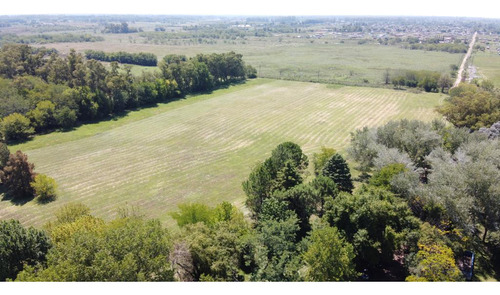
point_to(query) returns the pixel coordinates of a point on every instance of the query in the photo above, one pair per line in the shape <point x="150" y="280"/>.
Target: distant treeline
<point x="142" y="59"/>
<point x="121" y="28"/>
<point x="46" y="38"/>
<point x="40" y="92"/>
<point x="446" y="47"/>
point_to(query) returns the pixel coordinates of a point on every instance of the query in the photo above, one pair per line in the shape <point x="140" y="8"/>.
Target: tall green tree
<point x="329" y="257"/>
<point x="375" y="222"/>
<point x="281" y="171"/>
<point x="337" y="169"/>
<point x="276" y="251"/>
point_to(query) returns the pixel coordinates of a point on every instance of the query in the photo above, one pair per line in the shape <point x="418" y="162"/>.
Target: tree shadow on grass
<point x="7" y="197"/>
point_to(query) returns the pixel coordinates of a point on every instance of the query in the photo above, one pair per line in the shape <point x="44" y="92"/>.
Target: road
<point x="466" y="57"/>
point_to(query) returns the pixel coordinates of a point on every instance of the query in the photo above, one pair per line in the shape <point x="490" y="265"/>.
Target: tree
<point x="387" y="77"/>
<point x="17" y="176"/>
<point x="20" y="246"/>
<point x="193" y="213"/>
<point x="279" y="172"/>
<point x="444" y="82"/>
<point x="320" y="159"/>
<point x="470" y="107"/>
<point x="329" y="257"/>
<point x="468" y="186"/>
<point x="336" y="168"/>
<point x="42" y="117"/>
<point x="15" y="127"/>
<point x="4" y="155"/>
<point x="383" y="177"/>
<point x="45" y="188"/>
<point x="435" y="264"/>
<point x="276" y="250"/>
<point x="362" y="148"/>
<point x="71" y="212"/>
<point x="217" y="252"/>
<point x="65" y="117"/>
<point x="375" y="222"/>
<point x="126" y="249"/>
<point x="324" y="189"/>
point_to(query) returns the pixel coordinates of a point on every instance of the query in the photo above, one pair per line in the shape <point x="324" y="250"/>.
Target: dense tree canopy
<point x="471" y="107"/>
<point x="126" y="249"/>
<point x="20" y="246"/>
<point x="329" y="257"/>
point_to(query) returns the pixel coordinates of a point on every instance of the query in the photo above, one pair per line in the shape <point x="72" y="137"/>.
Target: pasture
<point x="488" y="66"/>
<point x="327" y="60"/>
<point x="201" y="148"/>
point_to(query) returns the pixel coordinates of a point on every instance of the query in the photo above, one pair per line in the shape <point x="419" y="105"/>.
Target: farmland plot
<point x="201" y="148"/>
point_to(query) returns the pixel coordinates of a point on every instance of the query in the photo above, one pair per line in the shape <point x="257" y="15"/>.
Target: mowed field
<point x="201" y="148"/>
<point x="325" y="60"/>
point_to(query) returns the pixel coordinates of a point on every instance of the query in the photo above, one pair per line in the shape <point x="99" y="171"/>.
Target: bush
<point x="45" y="188"/>
<point x="16" y="127"/>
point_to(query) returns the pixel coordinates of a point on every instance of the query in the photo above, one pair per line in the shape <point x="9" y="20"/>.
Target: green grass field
<point x="488" y="66"/>
<point x="325" y="60"/>
<point x="201" y="148"/>
<point x="487" y="62"/>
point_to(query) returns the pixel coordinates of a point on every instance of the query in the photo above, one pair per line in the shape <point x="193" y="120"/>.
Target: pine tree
<point x="336" y="168"/>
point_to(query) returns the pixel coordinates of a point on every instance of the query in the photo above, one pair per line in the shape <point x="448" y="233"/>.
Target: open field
<point x="488" y="66"/>
<point x="202" y="148"/>
<point x="325" y="60"/>
<point x="487" y="62"/>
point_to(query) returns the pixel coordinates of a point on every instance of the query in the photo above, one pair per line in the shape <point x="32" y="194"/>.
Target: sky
<point x="476" y="8"/>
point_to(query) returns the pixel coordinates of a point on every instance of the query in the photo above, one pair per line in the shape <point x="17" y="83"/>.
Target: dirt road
<point x="466" y="57"/>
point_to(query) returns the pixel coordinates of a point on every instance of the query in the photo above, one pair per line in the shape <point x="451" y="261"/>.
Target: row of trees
<point x="121" y="28"/>
<point x="45" y="92"/>
<point x="446" y="47"/>
<point x="205" y="71"/>
<point x="143" y="59"/>
<point x="48" y="38"/>
<point x="426" y="80"/>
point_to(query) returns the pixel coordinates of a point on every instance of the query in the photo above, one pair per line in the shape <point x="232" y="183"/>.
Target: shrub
<point x="16" y="127"/>
<point x="45" y="188"/>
